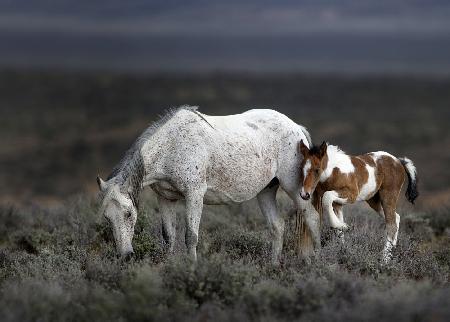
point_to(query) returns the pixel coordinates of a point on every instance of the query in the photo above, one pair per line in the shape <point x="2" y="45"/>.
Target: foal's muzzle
<point x="305" y="196"/>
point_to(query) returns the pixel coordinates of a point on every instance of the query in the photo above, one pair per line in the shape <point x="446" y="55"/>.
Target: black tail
<point x="412" y="191"/>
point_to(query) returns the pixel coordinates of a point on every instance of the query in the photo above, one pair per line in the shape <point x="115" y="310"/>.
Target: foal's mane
<point x="315" y="150"/>
<point x="334" y="149"/>
<point x="331" y="149"/>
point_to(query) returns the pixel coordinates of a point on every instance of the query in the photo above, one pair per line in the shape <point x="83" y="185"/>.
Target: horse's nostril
<point x="307" y="195"/>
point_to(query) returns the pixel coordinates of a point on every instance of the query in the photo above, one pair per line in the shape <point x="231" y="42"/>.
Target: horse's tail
<point x="411" y="192"/>
<point x="307" y="135"/>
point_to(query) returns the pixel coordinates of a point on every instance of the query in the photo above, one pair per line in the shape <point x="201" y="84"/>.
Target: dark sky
<point x="259" y="35"/>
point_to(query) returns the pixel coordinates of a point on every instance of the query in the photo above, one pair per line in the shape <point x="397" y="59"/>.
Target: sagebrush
<point x="61" y="265"/>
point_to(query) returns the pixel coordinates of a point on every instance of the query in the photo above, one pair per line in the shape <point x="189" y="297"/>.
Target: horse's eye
<point x="128" y="214"/>
<point x="317" y="171"/>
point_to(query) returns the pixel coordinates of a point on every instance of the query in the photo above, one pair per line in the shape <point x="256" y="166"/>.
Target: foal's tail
<point x="411" y="192"/>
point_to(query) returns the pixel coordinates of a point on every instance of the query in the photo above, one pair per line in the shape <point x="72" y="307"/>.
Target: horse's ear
<point x="323" y="149"/>
<point x="302" y="148"/>
<point x="101" y="184"/>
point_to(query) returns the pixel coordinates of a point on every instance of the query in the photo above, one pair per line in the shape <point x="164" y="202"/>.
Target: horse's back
<point x="235" y="155"/>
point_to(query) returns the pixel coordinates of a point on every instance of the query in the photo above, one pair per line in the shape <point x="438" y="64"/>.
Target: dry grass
<point x="60" y="265"/>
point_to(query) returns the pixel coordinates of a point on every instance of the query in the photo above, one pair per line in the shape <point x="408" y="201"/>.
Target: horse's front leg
<point x="194" y="207"/>
<point x="312" y="219"/>
<point x="169" y="219"/>
<point x="311" y="238"/>
<point x="268" y="205"/>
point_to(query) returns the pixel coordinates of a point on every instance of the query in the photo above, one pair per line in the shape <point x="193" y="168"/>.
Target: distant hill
<point x="351" y="36"/>
<point x="341" y="53"/>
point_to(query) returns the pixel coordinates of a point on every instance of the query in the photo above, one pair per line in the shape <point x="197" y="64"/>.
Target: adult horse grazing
<point x="212" y="160"/>
<point x="377" y="177"/>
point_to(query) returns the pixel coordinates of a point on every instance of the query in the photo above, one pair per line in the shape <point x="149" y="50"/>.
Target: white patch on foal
<point x="306" y="168"/>
<point x="337" y="159"/>
<point x="369" y="187"/>
<point x="377" y="155"/>
<point x="305" y="173"/>
<point x="391" y="243"/>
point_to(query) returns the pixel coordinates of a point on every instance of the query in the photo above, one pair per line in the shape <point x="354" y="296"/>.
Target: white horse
<point x="206" y="159"/>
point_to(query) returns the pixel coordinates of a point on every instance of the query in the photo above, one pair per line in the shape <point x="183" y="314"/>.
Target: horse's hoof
<point x="343" y="227"/>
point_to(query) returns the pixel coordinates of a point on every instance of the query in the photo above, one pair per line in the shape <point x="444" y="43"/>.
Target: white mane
<point x="337" y="159"/>
<point x="131" y="166"/>
<point x="144" y="137"/>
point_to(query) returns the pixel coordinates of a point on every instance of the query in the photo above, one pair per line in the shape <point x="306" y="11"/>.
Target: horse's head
<point x="118" y="208"/>
<point x="313" y="164"/>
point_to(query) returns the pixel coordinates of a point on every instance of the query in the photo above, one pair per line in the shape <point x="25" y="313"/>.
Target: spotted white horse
<point x="206" y="159"/>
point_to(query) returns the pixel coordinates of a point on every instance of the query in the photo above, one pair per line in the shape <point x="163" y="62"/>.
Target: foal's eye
<point x="316" y="171"/>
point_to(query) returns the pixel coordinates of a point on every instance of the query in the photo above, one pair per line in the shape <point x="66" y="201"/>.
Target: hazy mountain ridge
<point x="346" y="36"/>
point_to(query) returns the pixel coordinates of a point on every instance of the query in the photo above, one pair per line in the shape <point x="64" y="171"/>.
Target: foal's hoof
<point x="386" y="259"/>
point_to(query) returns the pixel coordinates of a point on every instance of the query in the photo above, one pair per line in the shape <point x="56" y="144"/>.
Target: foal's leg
<point x="338" y="209"/>
<point x="389" y="202"/>
<point x="169" y="220"/>
<point x="329" y="197"/>
<point x="375" y="204"/>
<point x="194" y="207"/>
<point x="268" y="205"/>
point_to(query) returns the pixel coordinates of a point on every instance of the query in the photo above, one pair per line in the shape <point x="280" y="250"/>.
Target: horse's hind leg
<point x="389" y="202"/>
<point x="194" y="207"/>
<point x="268" y="205"/>
<point x="169" y="220"/>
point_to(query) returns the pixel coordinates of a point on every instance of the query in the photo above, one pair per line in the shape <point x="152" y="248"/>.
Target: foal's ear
<point x="302" y="148"/>
<point x="101" y="184"/>
<point x="323" y="149"/>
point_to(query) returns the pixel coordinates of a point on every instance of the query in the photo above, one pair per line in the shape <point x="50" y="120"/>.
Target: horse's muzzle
<point x="127" y="256"/>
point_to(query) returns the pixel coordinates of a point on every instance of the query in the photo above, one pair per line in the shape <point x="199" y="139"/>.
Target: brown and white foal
<point x="337" y="179"/>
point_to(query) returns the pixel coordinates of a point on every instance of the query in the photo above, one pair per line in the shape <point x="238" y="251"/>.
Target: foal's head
<point x="313" y="164"/>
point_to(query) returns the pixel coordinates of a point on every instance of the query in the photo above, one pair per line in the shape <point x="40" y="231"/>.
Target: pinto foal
<point x="337" y="179"/>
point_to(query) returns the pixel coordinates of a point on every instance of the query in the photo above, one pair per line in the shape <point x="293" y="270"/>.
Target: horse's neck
<point x="130" y="177"/>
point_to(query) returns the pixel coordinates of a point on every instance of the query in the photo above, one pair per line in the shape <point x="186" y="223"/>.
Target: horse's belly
<point x="166" y="190"/>
<point x="238" y="183"/>
<point x="214" y="197"/>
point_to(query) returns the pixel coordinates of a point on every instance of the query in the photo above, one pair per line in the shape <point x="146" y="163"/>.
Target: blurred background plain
<point x="79" y="80"/>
